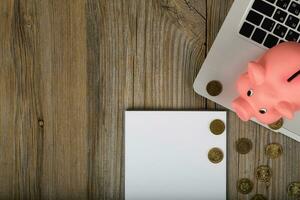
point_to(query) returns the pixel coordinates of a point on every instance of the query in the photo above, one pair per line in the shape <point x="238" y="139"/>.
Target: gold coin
<point x="214" y="88"/>
<point x="243" y="145"/>
<point x="294" y="189"/>
<point x="258" y="197"/>
<point x="244" y="186"/>
<point x="273" y="150"/>
<point x="276" y="125"/>
<point x="263" y="173"/>
<point x="215" y="155"/>
<point x="217" y="126"/>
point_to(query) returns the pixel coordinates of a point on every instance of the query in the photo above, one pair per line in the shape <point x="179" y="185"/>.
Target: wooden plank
<point x="170" y="48"/>
<point x="66" y="108"/>
<point x="143" y="63"/>
<point x="111" y="37"/>
<point x="7" y="105"/>
<point x="43" y="125"/>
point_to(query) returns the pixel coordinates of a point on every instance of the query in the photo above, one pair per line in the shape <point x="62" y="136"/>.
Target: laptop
<point x="250" y="28"/>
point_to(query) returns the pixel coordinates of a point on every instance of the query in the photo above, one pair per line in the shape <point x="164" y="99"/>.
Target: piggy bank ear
<point x="285" y="109"/>
<point x="256" y="73"/>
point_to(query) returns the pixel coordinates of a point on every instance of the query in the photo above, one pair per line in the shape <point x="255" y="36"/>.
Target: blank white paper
<point x="166" y="156"/>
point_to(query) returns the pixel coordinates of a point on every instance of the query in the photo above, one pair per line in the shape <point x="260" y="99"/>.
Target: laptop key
<point x="292" y="36"/>
<point x="271" y="1"/>
<point x="294" y="8"/>
<point x="271" y="41"/>
<point x="263" y="7"/>
<point x="292" y="21"/>
<point x="280" y="15"/>
<point x="246" y="29"/>
<point x="258" y="35"/>
<point x="268" y="24"/>
<point x="254" y="17"/>
<point x="281" y="41"/>
<point x="280" y="30"/>
<point x="283" y="3"/>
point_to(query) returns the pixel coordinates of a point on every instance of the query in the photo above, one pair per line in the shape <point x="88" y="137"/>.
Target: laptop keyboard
<point x="270" y="22"/>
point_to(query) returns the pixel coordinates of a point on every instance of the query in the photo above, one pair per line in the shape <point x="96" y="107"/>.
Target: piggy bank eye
<point x="250" y="93"/>
<point x="262" y="111"/>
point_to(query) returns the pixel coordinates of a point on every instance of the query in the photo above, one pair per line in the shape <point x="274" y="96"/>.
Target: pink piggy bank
<point x="270" y="89"/>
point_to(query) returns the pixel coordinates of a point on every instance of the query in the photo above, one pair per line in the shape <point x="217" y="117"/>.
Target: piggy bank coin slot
<point x="294" y="76"/>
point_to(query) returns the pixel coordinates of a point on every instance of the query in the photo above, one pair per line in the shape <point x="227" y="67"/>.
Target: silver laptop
<point x="250" y="28"/>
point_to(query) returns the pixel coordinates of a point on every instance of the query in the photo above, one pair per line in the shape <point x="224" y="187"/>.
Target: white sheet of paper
<point x="166" y="156"/>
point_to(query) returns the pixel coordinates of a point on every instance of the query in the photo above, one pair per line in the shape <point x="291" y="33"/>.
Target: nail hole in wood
<point x="41" y="123"/>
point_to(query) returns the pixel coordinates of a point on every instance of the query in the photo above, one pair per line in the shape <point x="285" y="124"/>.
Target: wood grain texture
<point x="70" y="68"/>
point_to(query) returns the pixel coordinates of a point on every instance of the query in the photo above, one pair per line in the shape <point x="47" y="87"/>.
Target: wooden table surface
<point x="70" y="68"/>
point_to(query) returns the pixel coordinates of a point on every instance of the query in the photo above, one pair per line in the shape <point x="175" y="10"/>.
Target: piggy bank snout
<point x="242" y="108"/>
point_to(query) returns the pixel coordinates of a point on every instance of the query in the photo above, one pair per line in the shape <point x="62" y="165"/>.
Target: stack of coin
<point x="294" y="189"/>
<point x="264" y="173"/>
<point x="243" y="145"/>
<point x="215" y="155"/>
<point x="244" y="186"/>
<point x="273" y="150"/>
